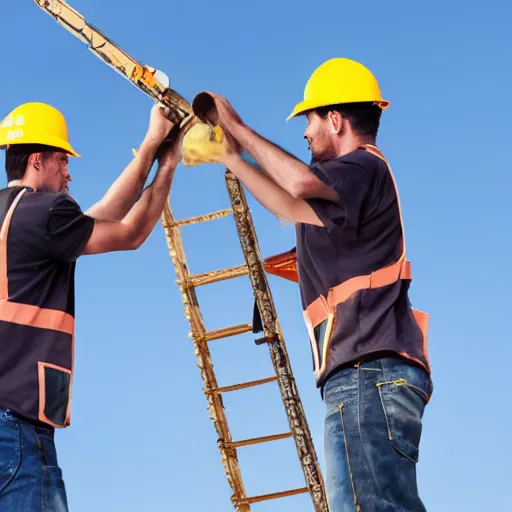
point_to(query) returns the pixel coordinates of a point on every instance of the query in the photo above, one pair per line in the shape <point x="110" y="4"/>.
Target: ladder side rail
<point x="275" y="341"/>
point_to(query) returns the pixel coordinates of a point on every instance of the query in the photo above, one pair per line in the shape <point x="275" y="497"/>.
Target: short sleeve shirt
<point x="362" y="232"/>
<point x="362" y="229"/>
<point x="48" y="233"/>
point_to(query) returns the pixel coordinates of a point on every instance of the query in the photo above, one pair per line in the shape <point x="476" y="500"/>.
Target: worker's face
<point x="55" y="173"/>
<point x="320" y="136"/>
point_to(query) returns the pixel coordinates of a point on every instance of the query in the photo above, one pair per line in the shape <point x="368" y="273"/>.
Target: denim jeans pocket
<point x="10" y="451"/>
<point x="403" y="405"/>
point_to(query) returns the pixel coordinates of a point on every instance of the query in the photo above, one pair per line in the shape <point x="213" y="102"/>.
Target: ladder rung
<point x="226" y="332"/>
<point x="273" y="496"/>
<point x="204" y="218"/>
<point x="244" y="385"/>
<point x="218" y="275"/>
<point x="259" y="440"/>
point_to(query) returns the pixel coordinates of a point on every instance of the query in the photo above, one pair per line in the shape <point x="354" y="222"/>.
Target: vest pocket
<point x="320" y="336"/>
<point x="54" y="394"/>
<point x="320" y="332"/>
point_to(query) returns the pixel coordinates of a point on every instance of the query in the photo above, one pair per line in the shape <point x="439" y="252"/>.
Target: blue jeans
<point x="30" y="477"/>
<point x="373" y="428"/>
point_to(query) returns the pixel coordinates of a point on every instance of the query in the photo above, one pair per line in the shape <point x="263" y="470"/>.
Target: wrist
<point x="231" y="159"/>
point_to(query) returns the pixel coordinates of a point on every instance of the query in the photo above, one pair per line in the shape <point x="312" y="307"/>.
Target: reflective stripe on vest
<point x="34" y="316"/>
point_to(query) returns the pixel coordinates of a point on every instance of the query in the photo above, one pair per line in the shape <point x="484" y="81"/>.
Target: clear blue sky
<point x="141" y="437"/>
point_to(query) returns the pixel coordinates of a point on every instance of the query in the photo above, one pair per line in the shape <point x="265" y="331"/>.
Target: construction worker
<point x="43" y="233"/>
<point x="368" y="344"/>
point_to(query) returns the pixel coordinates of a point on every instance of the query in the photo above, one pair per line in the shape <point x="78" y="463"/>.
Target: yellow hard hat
<point x="36" y="123"/>
<point x="339" y="81"/>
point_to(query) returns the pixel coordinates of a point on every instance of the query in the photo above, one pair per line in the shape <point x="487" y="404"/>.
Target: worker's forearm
<point x="286" y="170"/>
<point x="127" y="189"/>
<point x="144" y="215"/>
<point x="267" y="192"/>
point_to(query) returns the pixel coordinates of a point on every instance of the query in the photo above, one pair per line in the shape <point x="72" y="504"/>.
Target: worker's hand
<point x="161" y="122"/>
<point x="228" y="118"/>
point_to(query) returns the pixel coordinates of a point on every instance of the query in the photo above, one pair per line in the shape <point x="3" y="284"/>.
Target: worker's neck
<point x="24" y="182"/>
<point x="346" y="145"/>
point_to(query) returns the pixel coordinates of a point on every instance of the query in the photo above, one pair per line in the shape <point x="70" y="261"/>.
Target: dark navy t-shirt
<point x="362" y="233"/>
<point x="46" y="235"/>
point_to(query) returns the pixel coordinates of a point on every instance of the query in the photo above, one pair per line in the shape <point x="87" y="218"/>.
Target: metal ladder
<point x="254" y="268"/>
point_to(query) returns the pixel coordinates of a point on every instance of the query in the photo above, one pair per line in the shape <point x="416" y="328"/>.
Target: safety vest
<point x="321" y="315"/>
<point x="36" y="365"/>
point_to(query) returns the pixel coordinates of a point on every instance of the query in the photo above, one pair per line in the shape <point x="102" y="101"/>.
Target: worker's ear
<point x="35" y="160"/>
<point x="335" y="122"/>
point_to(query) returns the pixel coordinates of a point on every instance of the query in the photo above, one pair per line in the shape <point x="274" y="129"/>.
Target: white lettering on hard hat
<point x="20" y="121"/>
<point x="14" y="134"/>
<point x="7" y="122"/>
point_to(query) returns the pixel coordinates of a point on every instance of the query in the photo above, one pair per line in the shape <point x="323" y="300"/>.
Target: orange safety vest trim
<point x="33" y="316"/>
<point x="324" y="308"/>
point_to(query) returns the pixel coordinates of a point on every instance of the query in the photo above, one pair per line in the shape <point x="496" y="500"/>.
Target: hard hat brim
<point x="55" y="142"/>
<point x="66" y="146"/>
<point x="305" y="106"/>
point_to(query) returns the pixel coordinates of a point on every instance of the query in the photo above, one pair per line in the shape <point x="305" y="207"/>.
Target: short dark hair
<point x="16" y="158"/>
<point x="364" y="118"/>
